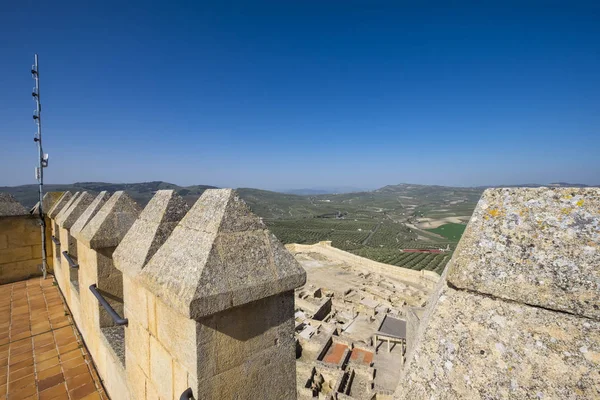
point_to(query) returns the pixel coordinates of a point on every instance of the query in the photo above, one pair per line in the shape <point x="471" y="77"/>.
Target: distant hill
<point x="317" y="191"/>
<point x="140" y="192"/>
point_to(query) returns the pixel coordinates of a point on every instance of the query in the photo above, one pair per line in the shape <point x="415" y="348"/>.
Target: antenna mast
<point x="42" y="158"/>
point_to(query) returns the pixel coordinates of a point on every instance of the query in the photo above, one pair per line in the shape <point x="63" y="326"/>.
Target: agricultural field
<point x="378" y="225"/>
<point x="450" y="231"/>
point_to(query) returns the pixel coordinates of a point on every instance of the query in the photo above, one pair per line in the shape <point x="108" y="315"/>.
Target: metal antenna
<point x="42" y="158"/>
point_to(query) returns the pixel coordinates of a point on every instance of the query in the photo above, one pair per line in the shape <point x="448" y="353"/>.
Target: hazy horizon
<point x="283" y="96"/>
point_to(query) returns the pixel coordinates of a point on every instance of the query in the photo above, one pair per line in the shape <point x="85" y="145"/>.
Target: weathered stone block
<point x="476" y="346"/>
<point x="161" y="366"/>
<point x="536" y="246"/>
<point x="180" y="379"/>
<point x="135" y="299"/>
<point x="177" y="334"/>
<point x="12" y="255"/>
<point x="137" y="345"/>
<point x="219" y="256"/>
<point x="19" y="270"/>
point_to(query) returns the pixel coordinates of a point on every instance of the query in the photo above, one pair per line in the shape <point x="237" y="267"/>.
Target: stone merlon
<point x="110" y="224"/>
<point x="220" y="256"/>
<point x="73" y="210"/>
<point x="9" y="206"/>
<point x="59" y="205"/>
<point x="150" y="231"/>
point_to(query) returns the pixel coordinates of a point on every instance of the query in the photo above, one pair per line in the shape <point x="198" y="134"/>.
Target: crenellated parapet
<point x="517" y="314"/>
<point x="172" y="299"/>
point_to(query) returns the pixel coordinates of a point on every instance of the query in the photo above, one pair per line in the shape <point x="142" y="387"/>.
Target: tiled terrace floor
<point x="41" y="351"/>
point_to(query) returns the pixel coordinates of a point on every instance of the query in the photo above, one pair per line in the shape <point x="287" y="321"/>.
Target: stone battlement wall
<point x="517" y="312"/>
<point x="203" y="295"/>
<point x="428" y="279"/>
<point x="20" y="242"/>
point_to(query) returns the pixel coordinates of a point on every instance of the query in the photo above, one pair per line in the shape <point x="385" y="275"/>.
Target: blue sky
<point x="280" y="95"/>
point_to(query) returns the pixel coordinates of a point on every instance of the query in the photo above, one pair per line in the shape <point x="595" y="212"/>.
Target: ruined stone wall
<point x="428" y="279"/>
<point x="204" y="296"/>
<point x="20" y="242"/>
<point x="517" y="313"/>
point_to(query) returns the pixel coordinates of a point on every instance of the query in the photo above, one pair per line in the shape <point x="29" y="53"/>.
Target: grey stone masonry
<point x="516" y="314"/>
<point x="67" y="217"/>
<point x="59" y="205"/>
<point x="110" y="224"/>
<point x="220" y="256"/>
<point x="9" y="206"/>
<point x="89" y="213"/>
<point x="150" y="231"/>
<point x="534" y="246"/>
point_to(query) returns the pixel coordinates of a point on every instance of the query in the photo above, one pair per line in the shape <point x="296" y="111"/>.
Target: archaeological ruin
<point x="178" y="301"/>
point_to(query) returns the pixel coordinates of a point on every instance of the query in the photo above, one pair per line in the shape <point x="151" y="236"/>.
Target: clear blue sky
<point x="288" y="94"/>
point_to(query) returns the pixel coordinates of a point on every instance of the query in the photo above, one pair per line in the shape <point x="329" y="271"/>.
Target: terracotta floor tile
<point x="93" y="396"/>
<point x="72" y="363"/>
<point x="79" y="380"/>
<point x="19" y="357"/>
<point x="68" y="347"/>
<point x="20" y="343"/>
<point x="71" y="355"/>
<point x="53" y="392"/>
<point x="21" y="383"/>
<point x="47" y="355"/>
<point x="81" y="369"/>
<point x="21" y="350"/>
<point x="50" y="381"/>
<point x="82" y="391"/>
<point x="66" y="340"/>
<point x="22" y="393"/>
<point x="51" y="362"/>
<point x="22" y="364"/>
<point x="44" y="349"/>
<point x="20" y="373"/>
<point x="49" y="372"/>
<point x="40" y="342"/>
<point x="61" y="323"/>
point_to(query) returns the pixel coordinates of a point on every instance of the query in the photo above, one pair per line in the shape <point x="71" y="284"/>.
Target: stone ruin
<point x="180" y="302"/>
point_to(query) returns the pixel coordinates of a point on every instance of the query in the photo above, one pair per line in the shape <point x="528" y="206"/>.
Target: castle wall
<point x="21" y="247"/>
<point x="207" y="294"/>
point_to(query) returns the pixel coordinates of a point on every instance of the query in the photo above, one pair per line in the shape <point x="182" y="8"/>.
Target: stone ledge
<point x="534" y="246"/>
<point x="477" y="346"/>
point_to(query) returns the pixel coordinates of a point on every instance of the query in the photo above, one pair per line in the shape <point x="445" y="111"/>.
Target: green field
<point x="450" y="231"/>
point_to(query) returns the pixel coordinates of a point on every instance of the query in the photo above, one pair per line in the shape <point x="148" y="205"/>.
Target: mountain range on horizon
<point x="142" y="191"/>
